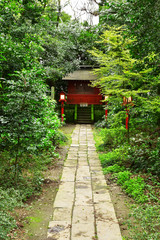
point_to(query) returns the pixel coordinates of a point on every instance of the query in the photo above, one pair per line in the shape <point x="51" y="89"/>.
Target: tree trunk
<point x="59" y="12"/>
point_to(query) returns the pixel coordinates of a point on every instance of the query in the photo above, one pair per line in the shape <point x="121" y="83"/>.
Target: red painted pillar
<point x="106" y="110"/>
<point x="106" y="113"/>
<point x="127" y="118"/>
<point x="62" y="111"/>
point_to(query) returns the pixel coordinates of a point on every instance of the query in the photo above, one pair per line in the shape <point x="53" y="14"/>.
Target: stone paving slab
<point x="68" y="174"/>
<point x="82" y="208"/>
<point x="70" y="163"/>
<point x="105" y="211"/>
<point x="83" y="231"/>
<point x="62" y="213"/>
<point x="83" y="173"/>
<point x="108" y="230"/>
<point x="83" y="214"/>
<point x="83" y="162"/>
<point x="83" y="185"/>
<point x="94" y="164"/>
<point x="98" y="177"/>
<point x="93" y="158"/>
<point x="74" y="145"/>
<point x="82" y="158"/>
<point x="65" y="195"/>
<point x="72" y="156"/>
<point x="95" y="168"/>
<point x="59" y="230"/>
<point x="83" y="196"/>
<point x="101" y="196"/>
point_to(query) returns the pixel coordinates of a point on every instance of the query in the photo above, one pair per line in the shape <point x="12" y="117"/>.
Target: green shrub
<point x="9" y="199"/>
<point x="135" y="188"/>
<point x="113" y="136"/>
<point x="98" y="115"/>
<point x="101" y="124"/>
<point x="113" y="169"/>
<point x="117" y="155"/>
<point x="32" y="163"/>
<point x="28" y="120"/>
<point x="145" y="157"/>
<point x="123" y="176"/>
<point x="69" y="114"/>
<point x="108" y="159"/>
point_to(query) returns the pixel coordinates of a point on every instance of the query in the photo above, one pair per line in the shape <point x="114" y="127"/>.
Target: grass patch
<point x="98" y="141"/>
<point x="146" y="224"/>
<point x="67" y="131"/>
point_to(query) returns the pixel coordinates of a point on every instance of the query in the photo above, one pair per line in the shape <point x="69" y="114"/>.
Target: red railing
<point x="84" y="98"/>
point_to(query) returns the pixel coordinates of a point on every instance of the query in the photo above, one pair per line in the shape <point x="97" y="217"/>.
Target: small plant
<point x="99" y="141"/>
<point x="146" y="222"/>
<point x="107" y="159"/>
<point x="113" y="169"/>
<point x="122" y="177"/>
<point x="144" y="155"/>
<point x="116" y="156"/>
<point x="9" y="199"/>
<point x="135" y="188"/>
<point x="113" y="136"/>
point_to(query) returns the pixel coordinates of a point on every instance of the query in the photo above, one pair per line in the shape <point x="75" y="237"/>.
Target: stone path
<point x="82" y="208"/>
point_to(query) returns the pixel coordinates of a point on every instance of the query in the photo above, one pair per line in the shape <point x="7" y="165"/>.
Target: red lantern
<point x="62" y="97"/>
<point x="127" y="118"/>
<point x="106" y="110"/>
<point x="62" y="100"/>
<point x="127" y="101"/>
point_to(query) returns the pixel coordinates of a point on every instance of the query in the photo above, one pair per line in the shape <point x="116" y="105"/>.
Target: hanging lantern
<point x="106" y="98"/>
<point x="126" y="102"/>
<point x="62" y="97"/>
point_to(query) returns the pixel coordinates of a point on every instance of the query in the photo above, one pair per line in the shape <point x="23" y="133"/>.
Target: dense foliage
<point x="124" y="75"/>
<point x="39" y="44"/>
<point x="128" y="55"/>
<point x="142" y="18"/>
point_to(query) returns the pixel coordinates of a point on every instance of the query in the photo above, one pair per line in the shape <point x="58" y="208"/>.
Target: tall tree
<point x="142" y="17"/>
<point x="119" y="73"/>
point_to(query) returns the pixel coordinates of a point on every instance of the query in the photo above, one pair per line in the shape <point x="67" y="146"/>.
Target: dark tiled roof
<point x="81" y="75"/>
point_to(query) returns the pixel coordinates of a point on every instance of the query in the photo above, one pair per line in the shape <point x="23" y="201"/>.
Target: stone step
<point x="84" y="122"/>
<point x="84" y="116"/>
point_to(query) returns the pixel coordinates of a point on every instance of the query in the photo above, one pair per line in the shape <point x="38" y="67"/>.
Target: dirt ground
<point x="35" y="216"/>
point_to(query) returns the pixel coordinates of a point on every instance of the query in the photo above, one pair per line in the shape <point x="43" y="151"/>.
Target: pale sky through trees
<point x="79" y="9"/>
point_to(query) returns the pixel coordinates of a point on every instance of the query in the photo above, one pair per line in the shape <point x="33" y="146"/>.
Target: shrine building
<point x="81" y="97"/>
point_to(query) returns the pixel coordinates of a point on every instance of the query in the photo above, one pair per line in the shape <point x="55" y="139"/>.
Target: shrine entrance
<point x="82" y="95"/>
<point x="84" y="114"/>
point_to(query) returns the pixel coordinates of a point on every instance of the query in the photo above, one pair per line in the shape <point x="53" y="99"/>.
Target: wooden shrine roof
<point x="81" y="75"/>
